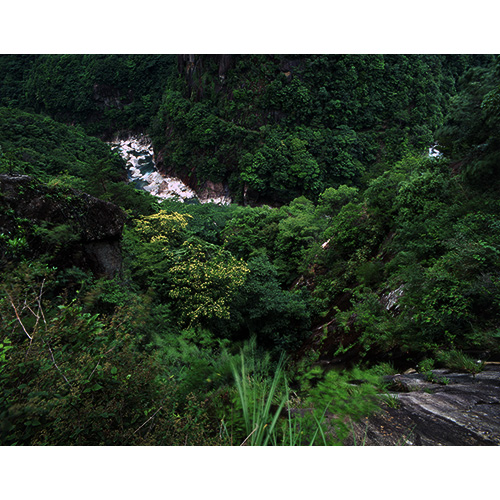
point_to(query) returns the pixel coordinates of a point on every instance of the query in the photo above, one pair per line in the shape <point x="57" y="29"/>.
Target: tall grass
<point x="267" y="413"/>
<point x="458" y="361"/>
<point x="256" y="397"/>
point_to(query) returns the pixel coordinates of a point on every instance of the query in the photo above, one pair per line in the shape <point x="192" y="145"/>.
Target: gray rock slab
<point x="463" y="412"/>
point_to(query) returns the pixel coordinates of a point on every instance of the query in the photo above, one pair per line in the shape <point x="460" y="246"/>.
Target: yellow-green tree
<point x="162" y="226"/>
<point x="205" y="279"/>
<point x="201" y="278"/>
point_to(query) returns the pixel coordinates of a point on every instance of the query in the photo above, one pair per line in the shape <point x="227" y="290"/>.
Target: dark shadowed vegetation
<point x="349" y="251"/>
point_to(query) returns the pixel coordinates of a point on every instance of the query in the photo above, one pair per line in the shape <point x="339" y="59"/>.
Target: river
<point x="138" y="153"/>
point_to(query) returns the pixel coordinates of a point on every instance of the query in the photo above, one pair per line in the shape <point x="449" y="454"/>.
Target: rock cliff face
<point x="192" y="67"/>
<point x="214" y="192"/>
<point x="74" y="228"/>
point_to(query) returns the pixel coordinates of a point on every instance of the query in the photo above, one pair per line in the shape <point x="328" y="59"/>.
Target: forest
<point x="363" y="239"/>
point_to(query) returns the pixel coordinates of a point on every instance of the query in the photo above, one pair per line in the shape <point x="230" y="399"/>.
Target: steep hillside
<point x="276" y="127"/>
<point x="104" y="93"/>
<point x="351" y="254"/>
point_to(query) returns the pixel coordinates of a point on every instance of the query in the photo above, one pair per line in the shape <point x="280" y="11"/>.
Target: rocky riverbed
<point x="138" y="152"/>
<point x="454" y="409"/>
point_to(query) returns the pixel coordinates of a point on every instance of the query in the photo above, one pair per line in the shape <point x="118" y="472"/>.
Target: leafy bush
<point x="69" y="377"/>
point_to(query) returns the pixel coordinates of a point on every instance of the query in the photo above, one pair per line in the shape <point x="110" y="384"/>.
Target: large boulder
<point x="75" y="228"/>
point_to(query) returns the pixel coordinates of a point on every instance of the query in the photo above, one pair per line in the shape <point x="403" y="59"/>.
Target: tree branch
<point x="18" y="318"/>
<point x="149" y="419"/>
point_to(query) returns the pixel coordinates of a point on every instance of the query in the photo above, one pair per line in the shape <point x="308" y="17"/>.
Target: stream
<point x="138" y="153"/>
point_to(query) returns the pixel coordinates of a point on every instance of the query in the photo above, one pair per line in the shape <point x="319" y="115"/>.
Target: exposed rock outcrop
<point x="454" y="409"/>
<point x="75" y="228"/>
<point x="215" y="193"/>
<point x="192" y="67"/>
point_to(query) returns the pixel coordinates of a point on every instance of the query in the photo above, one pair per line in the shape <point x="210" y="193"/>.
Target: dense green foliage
<point x="216" y="327"/>
<point x="103" y="93"/>
<point x="276" y="127"/>
<point x="65" y="156"/>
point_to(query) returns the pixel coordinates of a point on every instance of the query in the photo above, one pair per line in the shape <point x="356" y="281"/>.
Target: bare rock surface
<point x="454" y="409"/>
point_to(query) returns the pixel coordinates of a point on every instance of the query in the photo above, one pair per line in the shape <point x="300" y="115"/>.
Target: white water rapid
<point x="138" y="152"/>
<point x="434" y="152"/>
